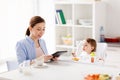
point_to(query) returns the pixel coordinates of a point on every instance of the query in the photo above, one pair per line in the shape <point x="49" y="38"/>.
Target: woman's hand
<point x="47" y="57"/>
<point x="55" y="59"/>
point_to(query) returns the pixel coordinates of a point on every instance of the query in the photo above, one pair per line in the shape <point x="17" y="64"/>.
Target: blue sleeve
<point x="20" y="52"/>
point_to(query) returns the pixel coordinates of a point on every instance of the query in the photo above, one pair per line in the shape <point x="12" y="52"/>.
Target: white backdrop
<point x="113" y="18"/>
<point x="46" y="10"/>
<point x="14" y="20"/>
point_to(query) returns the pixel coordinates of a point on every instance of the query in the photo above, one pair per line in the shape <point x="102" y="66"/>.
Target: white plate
<point x="42" y="66"/>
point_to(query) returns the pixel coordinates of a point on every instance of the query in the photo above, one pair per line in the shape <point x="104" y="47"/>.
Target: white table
<point x="64" y="69"/>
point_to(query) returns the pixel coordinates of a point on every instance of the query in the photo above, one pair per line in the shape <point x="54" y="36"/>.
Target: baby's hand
<point x="73" y="54"/>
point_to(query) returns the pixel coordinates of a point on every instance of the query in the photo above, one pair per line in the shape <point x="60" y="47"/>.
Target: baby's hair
<point x="92" y="42"/>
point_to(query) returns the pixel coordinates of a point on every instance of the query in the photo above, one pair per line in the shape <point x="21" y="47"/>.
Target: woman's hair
<point x="34" y="20"/>
<point x="92" y="42"/>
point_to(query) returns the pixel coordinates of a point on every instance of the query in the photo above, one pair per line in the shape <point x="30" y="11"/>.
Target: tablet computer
<point x="58" y="53"/>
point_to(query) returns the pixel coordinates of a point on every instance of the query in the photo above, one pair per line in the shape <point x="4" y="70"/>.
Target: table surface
<point x="64" y="69"/>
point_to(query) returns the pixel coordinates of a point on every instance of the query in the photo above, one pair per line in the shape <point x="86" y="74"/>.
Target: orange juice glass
<point x="92" y="59"/>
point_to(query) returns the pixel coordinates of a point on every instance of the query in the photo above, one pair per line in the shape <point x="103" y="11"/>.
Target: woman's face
<point x="38" y="30"/>
<point x="87" y="47"/>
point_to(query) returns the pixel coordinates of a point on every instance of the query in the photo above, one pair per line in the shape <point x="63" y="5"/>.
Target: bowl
<point x="86" y="22"/>
<point x="66" y="40"/>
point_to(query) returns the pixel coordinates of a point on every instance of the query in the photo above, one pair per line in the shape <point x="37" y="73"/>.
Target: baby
<point x="86" y="49"/>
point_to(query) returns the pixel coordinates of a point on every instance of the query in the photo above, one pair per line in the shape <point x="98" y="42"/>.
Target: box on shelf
<point x="86" y="22"/>
<point x="113" y="40"/>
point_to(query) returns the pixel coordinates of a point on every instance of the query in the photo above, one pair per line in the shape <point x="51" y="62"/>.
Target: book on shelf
<point x="60" y="17"/>
<point x="56" y="19"/>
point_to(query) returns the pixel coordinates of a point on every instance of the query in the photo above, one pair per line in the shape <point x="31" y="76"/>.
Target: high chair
<point x="101" y="51"/>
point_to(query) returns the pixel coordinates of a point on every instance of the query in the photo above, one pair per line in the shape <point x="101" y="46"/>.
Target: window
<point x="14" y="17"/>
<point x="14" y="20"/>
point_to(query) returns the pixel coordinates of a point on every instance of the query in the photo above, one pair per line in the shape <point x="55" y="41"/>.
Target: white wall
<point x="46" y="10"/>
<point x="113" y="18"/>
<point x="14" y="18"/>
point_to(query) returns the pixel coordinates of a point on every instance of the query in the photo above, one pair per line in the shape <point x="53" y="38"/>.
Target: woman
<point x="33" y="46"/>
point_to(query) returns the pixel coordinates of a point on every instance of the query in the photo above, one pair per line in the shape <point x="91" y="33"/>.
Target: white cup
<point x="39" y="61"/>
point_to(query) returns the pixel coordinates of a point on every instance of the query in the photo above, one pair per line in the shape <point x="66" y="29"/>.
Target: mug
<point x="39" y="61"/>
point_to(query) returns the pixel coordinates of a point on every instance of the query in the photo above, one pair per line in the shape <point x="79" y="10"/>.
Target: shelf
<point x="64" y="46"/>
<point x="83" y="26"/>
<point x="117" y="44"/>
<point x="64" y="25"/>
<point x="75" y="1"/>
<point x="83" y="20"/>
<point x="70" y="25"/>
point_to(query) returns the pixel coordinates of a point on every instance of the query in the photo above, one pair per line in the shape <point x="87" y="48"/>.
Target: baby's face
<point x="87" y="47"/>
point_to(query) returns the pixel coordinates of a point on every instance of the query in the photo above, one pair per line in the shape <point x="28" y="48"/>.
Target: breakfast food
<point x="92" y="77"/>
<point x="75" y="58"/>
<point x="97" y="77"/>
<point x="104" y="77"/>
<point x="118" y="77"/>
